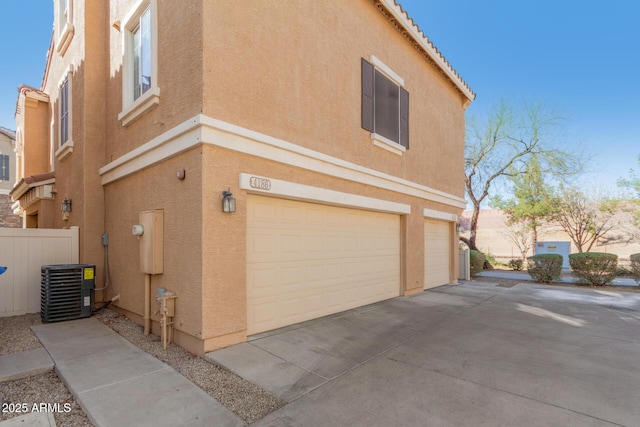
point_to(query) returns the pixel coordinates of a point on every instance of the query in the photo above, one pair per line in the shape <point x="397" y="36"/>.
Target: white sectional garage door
<point x="437" y="250"/>
<point x="306" y="260"/>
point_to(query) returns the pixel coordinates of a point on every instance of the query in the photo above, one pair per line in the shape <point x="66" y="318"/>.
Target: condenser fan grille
<point x="66" y="291"/>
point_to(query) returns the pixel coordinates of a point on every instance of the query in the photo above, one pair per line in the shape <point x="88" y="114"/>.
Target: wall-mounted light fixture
<point x="458" y="227"/>
<point x="228" y="202"/>
<point x="66" y="209"/>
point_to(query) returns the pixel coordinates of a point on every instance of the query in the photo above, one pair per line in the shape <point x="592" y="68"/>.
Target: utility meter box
<point x="151" y="242"/>
<point x="560" y="248"/>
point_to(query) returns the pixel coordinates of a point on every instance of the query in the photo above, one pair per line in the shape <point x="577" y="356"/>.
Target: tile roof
<point x="8" y="132"/>
<point x="414" y="34"/>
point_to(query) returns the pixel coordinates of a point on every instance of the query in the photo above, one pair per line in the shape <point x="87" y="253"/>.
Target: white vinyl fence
<point x="23" y="251"/>
<point x="464" y="272"/>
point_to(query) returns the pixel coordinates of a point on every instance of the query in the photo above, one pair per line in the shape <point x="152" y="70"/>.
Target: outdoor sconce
<point x="228" y="202"/>
<point x="458" y="227"/>
<point x="66" y="209"/>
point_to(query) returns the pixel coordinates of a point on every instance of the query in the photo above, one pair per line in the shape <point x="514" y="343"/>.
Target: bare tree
<point x="519" y="233"/>
<point x="501" y="146"/>
<point x="584" y="219"/>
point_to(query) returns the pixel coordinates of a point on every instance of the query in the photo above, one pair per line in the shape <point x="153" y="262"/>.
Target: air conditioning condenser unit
<point x="67" y="291"/>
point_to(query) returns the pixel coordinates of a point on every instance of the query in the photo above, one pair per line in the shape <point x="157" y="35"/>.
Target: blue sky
<point x="581" y="58"/>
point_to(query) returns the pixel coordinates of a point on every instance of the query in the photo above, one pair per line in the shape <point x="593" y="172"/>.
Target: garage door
<point x="306" y="260"/>
<point x="437" y="250"/>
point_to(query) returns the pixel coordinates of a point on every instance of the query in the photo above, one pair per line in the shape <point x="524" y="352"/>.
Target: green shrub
<point x="516" y="264"/>
<point x="635" y="266"/>
<point x="623" y="271"/>
<point x="490" y="261"/>
<point x="544" y="267"/>
<point x="595" y="268"/>
<point x="476" y="259"/>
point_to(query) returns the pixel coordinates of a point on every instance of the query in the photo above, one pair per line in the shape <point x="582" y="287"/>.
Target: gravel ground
<point x="245" y="399"/>
<point x="44" y="388"/>
<point x="15" y="336"/>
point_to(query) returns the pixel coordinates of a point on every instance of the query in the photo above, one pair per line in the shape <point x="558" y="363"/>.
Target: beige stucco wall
<point x="292" y="70"/>
<point x="181" y="200"/>
<point x="35" y="136"/>
<point x="289" y="70"/>
<point x="179" y="74"/>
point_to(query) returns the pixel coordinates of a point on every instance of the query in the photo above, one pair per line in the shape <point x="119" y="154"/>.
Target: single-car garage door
<point x="306" y="260"/>
<point x="437" y="252"/>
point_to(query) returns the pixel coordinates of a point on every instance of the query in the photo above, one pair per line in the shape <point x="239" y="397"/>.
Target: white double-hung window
<point x="64" y="115"/>
<point x="142" y="55"/>
<point x="140" y="91"/>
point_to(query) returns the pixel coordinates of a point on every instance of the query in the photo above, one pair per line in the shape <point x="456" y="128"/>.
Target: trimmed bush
<point x="544" y="267"/>
<point x="476" y="259"/>
<point x="516" y="264"/>
<point x="635" y="266"/>
<point x="595" y="268"/>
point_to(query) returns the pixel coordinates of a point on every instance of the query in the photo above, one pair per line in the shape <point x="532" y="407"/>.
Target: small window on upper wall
<point x="4" y="167"/>
<point x="64" y="116"/>
<point x="140" y="91"/>
<point x="64" y="25"/>
<point x="385" y="106"/>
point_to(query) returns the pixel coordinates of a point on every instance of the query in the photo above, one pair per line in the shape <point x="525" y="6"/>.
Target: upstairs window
<point x="64" y="25"/>
<point x="385" y="106"/>
<point x="64" y="117"/>
<point x="140" y="91"/>
<point x="64" y="112"/>
<point x="4" y="167"/>
<point x="142" y="55"/>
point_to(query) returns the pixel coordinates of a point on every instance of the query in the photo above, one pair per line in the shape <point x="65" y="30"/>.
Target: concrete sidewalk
<point x="24" y="364"/>
<point x="117" y="384"/>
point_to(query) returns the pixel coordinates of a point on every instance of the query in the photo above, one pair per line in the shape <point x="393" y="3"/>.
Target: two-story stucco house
<point x="288" y="160"/>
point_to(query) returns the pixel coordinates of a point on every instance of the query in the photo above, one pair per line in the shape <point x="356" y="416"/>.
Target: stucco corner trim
<point x="433" y="214"/>
<point x="291" y="190"/>
<point x="174" y="141"/>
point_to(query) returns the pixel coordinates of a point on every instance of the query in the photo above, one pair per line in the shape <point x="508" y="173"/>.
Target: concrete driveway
<point x="472" y="354"/>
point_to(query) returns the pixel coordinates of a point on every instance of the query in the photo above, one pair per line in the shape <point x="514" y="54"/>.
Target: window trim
<point x="134" y="109"/>
<point x="377" y="139"/>
<point x="64" y="27"/>
<point x="65" y="148"/>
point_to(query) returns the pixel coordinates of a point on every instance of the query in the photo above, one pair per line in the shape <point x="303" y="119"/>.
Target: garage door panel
<point x="306" y="261"/>
<point x="437" y="243"/>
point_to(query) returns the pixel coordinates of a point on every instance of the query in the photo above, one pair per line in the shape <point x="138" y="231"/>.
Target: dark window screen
<point x="387" y="104"/>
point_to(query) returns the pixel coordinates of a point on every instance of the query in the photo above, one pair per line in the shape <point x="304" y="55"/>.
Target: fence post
<point x="465" y="265"/>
